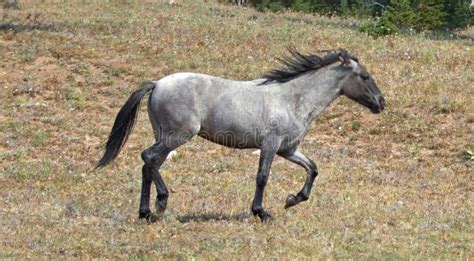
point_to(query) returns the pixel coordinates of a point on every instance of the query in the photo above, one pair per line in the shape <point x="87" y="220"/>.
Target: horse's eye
<point x="364" y="77"/>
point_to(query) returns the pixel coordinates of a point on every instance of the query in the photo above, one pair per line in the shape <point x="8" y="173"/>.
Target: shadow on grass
<point x="7" y="26"/>
<point x="213" y="217"/>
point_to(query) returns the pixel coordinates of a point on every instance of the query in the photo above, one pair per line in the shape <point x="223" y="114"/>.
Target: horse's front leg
<point x="267" y="154"/>
<point x="312" y="171"/>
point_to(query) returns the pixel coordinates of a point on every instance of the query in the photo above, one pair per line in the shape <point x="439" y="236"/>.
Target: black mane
<point x="297" y="64"/>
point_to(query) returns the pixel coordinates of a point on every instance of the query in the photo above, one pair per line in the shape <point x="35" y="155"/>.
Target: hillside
<point x="393" y="185"/>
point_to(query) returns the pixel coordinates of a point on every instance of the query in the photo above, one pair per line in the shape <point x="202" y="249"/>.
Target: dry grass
<point x="394" y="185"/>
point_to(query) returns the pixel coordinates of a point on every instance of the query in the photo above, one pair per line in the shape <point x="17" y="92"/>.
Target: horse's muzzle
<point x="380" y="104"/>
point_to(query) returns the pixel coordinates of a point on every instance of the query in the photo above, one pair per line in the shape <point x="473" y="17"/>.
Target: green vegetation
<point x="470" y="153"/>
<point x="397" y="185"/>
<point x="381" y="28"/>
<point x="392" y="16"/>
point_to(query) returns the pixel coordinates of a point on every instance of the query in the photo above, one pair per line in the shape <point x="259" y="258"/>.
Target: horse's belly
<point x="231" y="139"/>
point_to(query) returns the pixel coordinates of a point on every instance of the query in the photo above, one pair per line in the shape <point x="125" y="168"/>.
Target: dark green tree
<point x="400" y="13"/>
<point x="458" y="14"/>
<point x="430" y="15"/>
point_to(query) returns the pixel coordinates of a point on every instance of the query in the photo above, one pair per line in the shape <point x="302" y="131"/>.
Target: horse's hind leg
<point x="153" y="157"/>
<point x="144" y="211"/>
<point x="312" y="171"/>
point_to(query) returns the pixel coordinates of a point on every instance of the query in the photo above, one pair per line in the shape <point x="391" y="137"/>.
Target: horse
<point x="272" y="113"/>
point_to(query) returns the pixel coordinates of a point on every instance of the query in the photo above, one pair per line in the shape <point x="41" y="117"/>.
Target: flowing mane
<point x="297" y="64"/>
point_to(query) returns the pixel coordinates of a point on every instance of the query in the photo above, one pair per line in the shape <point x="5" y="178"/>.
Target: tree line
<point x="391" y="15"/>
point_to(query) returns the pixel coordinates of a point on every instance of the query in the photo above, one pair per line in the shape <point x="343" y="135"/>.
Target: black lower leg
<point x="144" y="210"/>
<point x="267" y="154"/>
<point x="153" y="158"/>
<point x="257" y="208"/>
<point x="312" y="171"/>
<point x="161" y="191"/>
<point x="303" y="195"/>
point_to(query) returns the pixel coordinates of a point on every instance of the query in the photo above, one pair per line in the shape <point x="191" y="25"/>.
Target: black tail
<point x="124" y="123"/>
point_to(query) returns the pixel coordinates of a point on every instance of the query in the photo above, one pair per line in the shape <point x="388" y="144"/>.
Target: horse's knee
<point x="147" y="156"/>
<point x="155" y="154"/>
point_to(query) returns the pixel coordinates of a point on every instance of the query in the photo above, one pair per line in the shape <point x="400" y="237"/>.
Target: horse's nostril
<point x="382" y="102"/>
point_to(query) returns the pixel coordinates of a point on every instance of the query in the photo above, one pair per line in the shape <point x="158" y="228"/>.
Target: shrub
<point x="381" y="28"/>
<point x="302" y="6"/>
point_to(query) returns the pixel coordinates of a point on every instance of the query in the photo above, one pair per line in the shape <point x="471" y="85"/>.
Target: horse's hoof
<point x="152" y="218"/>
<point x="262" y="214"/>
<point x="144" y="214"/>
<point x="265" y="217"/>
<point x="148" y="216"/>
<point x="290" y="201"/>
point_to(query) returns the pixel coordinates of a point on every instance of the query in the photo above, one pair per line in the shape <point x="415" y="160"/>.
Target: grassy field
<point x="394" y="185"/>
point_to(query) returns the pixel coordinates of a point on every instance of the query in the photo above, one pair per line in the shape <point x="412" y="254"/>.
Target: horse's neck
<point x="314" y="92"/>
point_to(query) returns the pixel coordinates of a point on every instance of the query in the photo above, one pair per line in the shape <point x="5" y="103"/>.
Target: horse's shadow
<point x="6" y="26"/>
<point x="212" y="216"/>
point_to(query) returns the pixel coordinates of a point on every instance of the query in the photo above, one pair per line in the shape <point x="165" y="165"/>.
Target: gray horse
<point x="272" y="114"/>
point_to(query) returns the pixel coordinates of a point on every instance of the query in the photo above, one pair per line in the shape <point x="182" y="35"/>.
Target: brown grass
<point x="394" y="185"/>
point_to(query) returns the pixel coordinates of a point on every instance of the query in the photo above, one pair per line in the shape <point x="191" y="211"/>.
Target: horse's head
<point x="360" y="86"/>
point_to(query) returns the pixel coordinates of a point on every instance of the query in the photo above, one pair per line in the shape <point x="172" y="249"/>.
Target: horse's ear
<point x="341" y="59"/>
<point x="346" y="62"/>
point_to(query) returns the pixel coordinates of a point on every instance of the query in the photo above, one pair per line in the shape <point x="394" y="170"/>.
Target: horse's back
<point x="207" y="105"/>
<point x="200" y="92"/>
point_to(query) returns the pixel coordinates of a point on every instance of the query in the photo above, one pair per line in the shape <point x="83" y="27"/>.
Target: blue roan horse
<point x="272" y="114"/>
